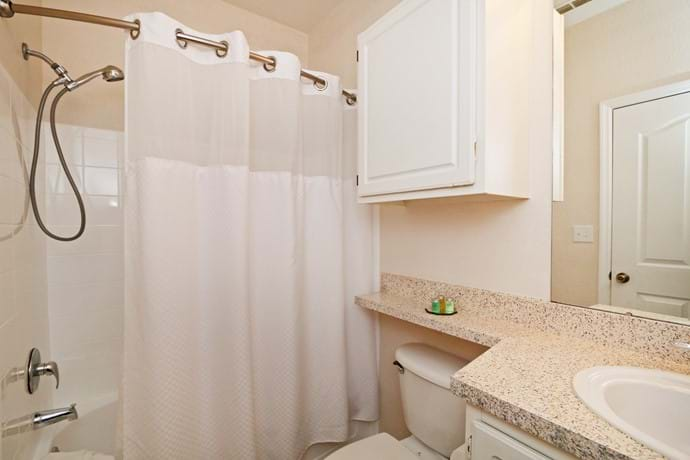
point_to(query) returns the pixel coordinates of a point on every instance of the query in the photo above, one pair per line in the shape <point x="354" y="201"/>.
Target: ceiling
<point x="302" y="15"/>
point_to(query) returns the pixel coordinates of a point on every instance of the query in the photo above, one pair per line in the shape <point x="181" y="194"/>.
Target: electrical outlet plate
<point x="583" y="233"/>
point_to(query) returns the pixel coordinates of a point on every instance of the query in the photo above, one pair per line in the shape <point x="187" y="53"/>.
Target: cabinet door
<point x="490" y="444"/>
<point x="417" y="79"/>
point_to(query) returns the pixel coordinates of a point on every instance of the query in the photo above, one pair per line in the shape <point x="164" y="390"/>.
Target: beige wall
<point x="83" y="47"/>
<point x="634" y="47"/>
<point x="23" y="298"/>
<point x="13" y="32"/>
<point x="333" y="42"/>
<point x="503" y="246"/>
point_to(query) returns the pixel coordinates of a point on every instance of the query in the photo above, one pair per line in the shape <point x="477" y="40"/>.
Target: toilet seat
<point x="378" y="447"/>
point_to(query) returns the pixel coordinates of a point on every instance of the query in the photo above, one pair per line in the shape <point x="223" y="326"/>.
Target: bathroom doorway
<point x="645" y="201"/>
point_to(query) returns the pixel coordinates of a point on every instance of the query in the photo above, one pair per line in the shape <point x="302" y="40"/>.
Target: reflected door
<point x="650" y="251"/>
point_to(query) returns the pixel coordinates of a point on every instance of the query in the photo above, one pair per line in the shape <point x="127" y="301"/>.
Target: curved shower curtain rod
<point x="9" y="9"/>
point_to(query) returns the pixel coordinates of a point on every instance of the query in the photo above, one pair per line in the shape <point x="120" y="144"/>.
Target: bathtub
<point x="94" y="430"/>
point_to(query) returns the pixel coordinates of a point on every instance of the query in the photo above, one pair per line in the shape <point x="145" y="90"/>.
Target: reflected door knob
<point x="622" y="278"/>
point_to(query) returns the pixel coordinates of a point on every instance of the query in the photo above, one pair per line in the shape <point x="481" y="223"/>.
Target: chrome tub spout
<point x="48" y="417"/>
<point x="39" y="420"/>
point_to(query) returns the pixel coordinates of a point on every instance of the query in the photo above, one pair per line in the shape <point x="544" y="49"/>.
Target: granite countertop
<point x="525" y="378"/>
<point x="527" y="381"/>
<point x="464" y="324"/>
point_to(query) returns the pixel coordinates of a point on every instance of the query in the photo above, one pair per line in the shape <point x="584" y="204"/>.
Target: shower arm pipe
<point x="9" y="9"/>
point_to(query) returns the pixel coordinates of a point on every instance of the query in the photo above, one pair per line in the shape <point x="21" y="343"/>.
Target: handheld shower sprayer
<point x="109" y="73"/>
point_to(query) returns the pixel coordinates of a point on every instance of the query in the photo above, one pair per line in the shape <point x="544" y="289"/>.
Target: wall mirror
<point x="621" y="211"/>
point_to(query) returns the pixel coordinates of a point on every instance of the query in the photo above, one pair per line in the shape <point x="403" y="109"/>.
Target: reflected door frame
<point x="606" y="109"/>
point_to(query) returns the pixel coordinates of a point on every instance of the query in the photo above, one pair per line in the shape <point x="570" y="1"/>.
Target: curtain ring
<point x="271" y="67"/>
<point x="134" y="33"/>
<point x="321" y="86"/>
<point x="180" y="42"/>
<point x="224" y="52"/>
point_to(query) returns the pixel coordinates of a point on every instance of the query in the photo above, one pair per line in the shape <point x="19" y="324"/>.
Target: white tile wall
<point x="64" y="298"/>
<point x="23" y="274"/>
<point x="86" y="277"/>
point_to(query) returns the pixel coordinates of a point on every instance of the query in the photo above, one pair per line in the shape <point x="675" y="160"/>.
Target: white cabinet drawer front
<point x="417" y="91"/>
<point x="488" y="443"/>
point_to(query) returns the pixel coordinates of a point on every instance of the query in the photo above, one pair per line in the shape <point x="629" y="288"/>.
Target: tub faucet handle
<point x="49" y="368"/>
<point x="35" y="369"/>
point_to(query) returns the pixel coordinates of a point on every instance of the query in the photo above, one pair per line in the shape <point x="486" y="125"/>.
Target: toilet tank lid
<point x="429" y="363"/>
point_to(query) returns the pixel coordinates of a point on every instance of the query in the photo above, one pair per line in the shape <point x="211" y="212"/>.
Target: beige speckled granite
<point x="644" y="314"/>
<point x="466" y="325"/>
<point x="527" y="381"/>
<point x="640" y="334"/>
<point x="536" y="349"/>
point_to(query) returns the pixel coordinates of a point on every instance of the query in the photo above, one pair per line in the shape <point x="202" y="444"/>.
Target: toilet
<point x="434" y="416"/>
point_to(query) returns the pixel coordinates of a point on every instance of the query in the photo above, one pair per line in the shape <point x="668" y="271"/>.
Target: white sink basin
<point x="651" y="406"/>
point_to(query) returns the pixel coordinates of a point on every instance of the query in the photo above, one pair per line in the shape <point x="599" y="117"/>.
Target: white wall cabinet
<point x="444" y="100"/>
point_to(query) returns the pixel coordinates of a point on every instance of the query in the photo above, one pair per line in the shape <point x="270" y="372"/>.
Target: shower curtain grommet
<point x="271" y="67"/>
<point x="180" y="42"/>
<point x="134" y="33"/>
<point x="224" y="52"/>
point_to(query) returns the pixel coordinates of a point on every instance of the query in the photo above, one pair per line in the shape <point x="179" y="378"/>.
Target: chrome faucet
<point x="39" y="420"/>
<point x="48" y="417"/>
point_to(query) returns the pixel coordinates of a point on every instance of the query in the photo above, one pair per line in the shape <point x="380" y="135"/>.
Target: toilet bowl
<point x="434" y="416"/>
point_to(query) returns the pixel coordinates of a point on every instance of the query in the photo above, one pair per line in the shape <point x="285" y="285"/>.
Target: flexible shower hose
<point x="63" y="163"/>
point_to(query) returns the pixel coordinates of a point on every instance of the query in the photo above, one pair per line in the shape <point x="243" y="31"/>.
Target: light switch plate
<point x="583" y="233"/>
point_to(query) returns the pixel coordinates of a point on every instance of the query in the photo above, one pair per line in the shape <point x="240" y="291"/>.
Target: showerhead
<point x="112" y="73"/>
<point x="108" y="73"/>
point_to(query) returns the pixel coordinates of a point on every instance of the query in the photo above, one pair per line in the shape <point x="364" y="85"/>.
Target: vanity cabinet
<point x="445" y="90"/>
<point x="488" y="443"/>
<point x="492" y="439"/>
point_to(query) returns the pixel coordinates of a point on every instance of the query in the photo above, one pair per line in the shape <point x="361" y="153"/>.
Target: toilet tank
<point x="432" y="413"/>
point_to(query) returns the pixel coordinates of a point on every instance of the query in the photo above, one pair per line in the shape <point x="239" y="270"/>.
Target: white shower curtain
<point x="244" y="250"/>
